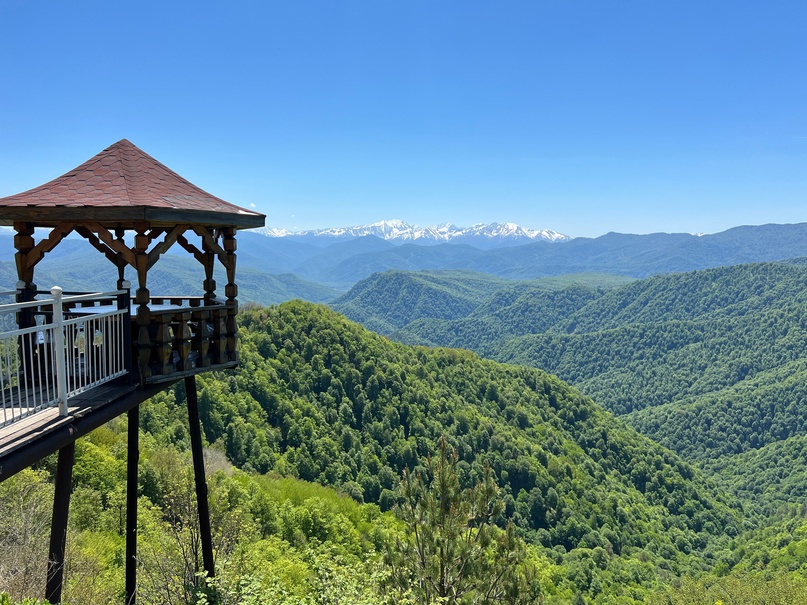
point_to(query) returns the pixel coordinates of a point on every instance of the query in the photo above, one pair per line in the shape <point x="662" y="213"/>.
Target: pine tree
<point x="453" y="552"/>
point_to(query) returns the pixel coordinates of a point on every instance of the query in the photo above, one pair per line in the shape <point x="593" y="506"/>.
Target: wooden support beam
<point x="142" y="298"/>
<point x="118" y="245"/>
<point x="197" y="254"/>
<point x="207" y="238"/>
<point x="58" y="529"/>
<point x="163" y="246"/>
<point x="37" y="253"/>
<point x="156" y="232"/>
<point x="205" y="534"/>
<point x="230" y="246"/>
<point x="209" y="263"/>
<point x="97" y="244"/>
<point x="133" y="457"/>
<point x="24" y="243"/>
<point x="120" y="262"/>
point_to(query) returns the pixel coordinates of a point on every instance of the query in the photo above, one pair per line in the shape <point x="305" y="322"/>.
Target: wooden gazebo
<point x="132" y="209"/>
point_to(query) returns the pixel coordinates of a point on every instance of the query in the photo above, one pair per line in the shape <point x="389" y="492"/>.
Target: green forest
<point x="672" y="472"/>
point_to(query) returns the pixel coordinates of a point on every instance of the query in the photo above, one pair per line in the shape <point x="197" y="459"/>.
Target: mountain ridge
<point x="398" y="230"/>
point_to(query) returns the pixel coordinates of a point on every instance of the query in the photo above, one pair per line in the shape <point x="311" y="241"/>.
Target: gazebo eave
<point x="126" y="217"/>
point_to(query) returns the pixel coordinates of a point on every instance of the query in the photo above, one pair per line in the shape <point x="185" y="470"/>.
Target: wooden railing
<point x="182" y="334"/>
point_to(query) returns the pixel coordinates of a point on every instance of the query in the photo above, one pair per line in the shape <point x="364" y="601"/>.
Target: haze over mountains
<point x="342" y="260"/>
<point x="320" y="266"/>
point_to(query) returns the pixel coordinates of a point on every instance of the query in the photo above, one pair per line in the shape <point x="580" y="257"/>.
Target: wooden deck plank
<point x="48" y="436"/>
<point x="33" y="427"/>
<point x="12" y="398"/>
<point x="27" y="440"/>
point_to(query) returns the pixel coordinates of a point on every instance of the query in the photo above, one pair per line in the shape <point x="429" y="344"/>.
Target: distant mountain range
<point x="397" y="231"/>
<point x="341" y="261"/>
<point x="321" y="267"/>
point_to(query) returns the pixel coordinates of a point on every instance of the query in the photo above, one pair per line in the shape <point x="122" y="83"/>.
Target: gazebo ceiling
<point x="120" y="187"/>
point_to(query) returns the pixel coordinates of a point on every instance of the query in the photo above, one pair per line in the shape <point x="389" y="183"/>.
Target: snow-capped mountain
<point x="398" y="231"/>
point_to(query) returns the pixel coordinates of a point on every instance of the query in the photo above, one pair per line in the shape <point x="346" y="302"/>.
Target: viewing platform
<point x="71" y="361"/>
<point x="49" y="372"/>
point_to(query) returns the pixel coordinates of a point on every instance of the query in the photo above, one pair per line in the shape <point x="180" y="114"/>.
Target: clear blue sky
<point x="583" y="117"/>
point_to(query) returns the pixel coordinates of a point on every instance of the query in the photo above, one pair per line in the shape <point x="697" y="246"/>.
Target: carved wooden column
<point x="231" y="291"/>
<point x="163" y="343"/>
<point x="120" y="261"/>
<point x="26" y="288"/>
<point x="209" y="261"/>
<point x="183" y="340"/>
<point x="142" y="298"/>
<point x="201" y="338"/>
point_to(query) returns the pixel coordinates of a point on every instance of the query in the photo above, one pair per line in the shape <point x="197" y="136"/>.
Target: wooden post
<point x="231" y="291"/>
<point x="201" y="339"/>
<point x="162" y="356"/>
<point x="208" y="262"/>
<point x="120" y="262"/>
<point x="58" y="527"/>
<point x="142" y="298"/>
<point x="199" y="475"/>
<point x="24" y="243"/>
<point x="183" y="337"/>
<point x="26" y="289"/>
<point x="133" y="457"/>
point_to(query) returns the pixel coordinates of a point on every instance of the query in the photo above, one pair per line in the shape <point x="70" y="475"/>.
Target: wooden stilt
<point x="58" y="528"/>
<point x="131" y="505"/>
<point x="199" y="475"/>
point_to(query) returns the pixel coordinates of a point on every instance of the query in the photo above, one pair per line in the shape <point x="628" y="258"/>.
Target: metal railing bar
<point x="95" y="296"/>
<point x="77" y="343"/>
<point x="3" y="387"/>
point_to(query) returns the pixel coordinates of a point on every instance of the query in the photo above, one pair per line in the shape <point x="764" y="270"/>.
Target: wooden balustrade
<point x="184" y="335"/>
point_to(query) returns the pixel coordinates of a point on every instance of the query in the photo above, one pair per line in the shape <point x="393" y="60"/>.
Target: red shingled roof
<point x="123" y="184"/>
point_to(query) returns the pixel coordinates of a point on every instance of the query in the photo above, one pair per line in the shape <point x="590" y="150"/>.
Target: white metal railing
<point x="75" y="344"/>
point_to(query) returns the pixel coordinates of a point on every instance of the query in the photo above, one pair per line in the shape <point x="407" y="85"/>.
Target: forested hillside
<point x="526" y="308"/>
<point x="608" y="516"/>
<point x="671" y="351"/>
<point x="387" y="301"/>
<point x="323" y="399"/>
<point x="392" y="301"/>
<point x="711" y="363"/>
